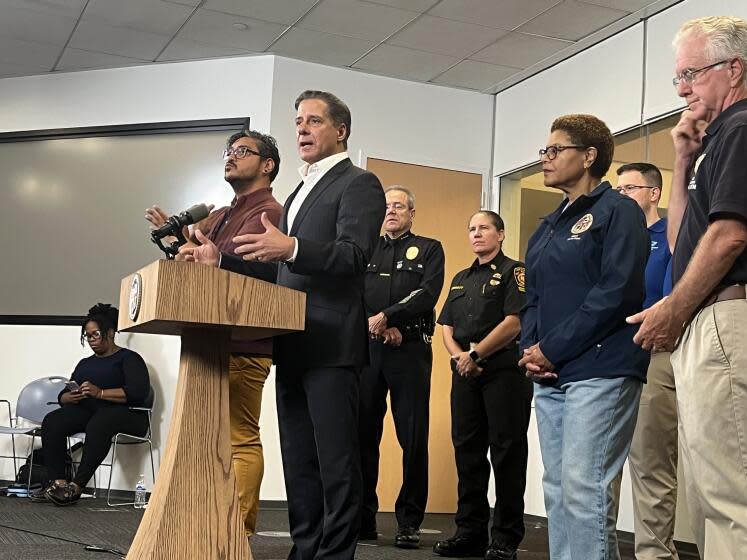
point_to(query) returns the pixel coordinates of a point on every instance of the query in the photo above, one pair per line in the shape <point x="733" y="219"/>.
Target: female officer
<point x="585" y="274"/>
<point x="490" y="397"/>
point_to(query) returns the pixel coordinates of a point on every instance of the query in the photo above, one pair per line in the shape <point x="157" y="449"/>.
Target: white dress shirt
<point x="311" y="174"/>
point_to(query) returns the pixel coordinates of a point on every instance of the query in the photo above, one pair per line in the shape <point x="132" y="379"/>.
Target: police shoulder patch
<point x="519" y="275"/>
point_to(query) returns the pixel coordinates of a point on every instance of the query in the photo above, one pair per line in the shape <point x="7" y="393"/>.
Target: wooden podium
<point x="194" y="509"/>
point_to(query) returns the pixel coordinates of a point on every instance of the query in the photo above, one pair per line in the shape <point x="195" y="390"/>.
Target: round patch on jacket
<point x="583" y="224"/>
<point x="412" y="252"/>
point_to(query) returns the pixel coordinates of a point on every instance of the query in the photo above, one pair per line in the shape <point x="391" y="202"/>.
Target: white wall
<point x="604" y="80"/>
<point x="661" y="97"/>
<point x="233" y="87"/>
<point x="391" y="119"/>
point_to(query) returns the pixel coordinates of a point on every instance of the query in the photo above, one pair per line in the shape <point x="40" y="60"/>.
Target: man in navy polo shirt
<point x="653" y="452"/>
<point x="703" y="320"/>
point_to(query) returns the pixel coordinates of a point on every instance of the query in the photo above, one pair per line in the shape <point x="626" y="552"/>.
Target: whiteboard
<point x="72" y="212"/>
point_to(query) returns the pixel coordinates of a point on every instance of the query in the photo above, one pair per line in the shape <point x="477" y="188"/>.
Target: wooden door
<point x="444" y="202"/>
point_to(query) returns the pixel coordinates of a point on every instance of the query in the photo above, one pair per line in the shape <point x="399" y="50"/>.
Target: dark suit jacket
<point x="337" y="228"/>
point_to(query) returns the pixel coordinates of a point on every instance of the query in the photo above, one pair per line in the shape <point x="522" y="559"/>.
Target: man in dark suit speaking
<point x="328" y="230"/>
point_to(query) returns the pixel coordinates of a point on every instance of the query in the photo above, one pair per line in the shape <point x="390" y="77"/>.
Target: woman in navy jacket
<point x="585" y="274"/>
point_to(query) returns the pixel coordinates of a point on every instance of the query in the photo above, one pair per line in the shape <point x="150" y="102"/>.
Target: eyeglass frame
<point x="228" y="152"/>
<point x="398" y="206"/>
<point x="95" y="335"/>
<point x="625" y="189"/>
<point x="689" y="75"/>
<point x="557" y="149"/>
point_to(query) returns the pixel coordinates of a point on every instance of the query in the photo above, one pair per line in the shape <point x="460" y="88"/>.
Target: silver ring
<point x="258" y="257"/>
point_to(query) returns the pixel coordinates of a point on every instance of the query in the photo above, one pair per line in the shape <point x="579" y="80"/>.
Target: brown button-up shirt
<point x="241" y="217"/>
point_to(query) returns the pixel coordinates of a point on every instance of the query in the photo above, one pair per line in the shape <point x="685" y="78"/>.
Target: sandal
<point x="65" y="495"/>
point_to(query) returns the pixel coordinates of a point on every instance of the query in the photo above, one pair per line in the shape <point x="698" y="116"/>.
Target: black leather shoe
<point x="368" y="534"/>
<point x="407" y="537"/>
<point x="499" y="551"/>
<point x="461" y="547"/>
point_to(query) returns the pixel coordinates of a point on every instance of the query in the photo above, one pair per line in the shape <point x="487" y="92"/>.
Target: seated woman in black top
<point x="110" y="381"/>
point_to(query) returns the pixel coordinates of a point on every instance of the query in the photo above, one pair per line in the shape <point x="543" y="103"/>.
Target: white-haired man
<point x="706" y="315"/>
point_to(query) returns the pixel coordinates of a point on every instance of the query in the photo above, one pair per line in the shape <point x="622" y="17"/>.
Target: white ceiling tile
<point x="119" y="41"/>
<point x="405" y="63"/>
<point x="412" y="5"/>
<point x="519" y="50"/>
<point x="325" y="48"/>
<point x="26" y="53"/>
<point x="154" y="16"/>
<point x="66" y="8"/>
<point x="10" y="70"/>
<point x="501" y="15"/>
<point x="353" y="18"/>
<point x="77" y="59"/>
<point x="445" y="36"/>
<point x="183" y="2"/>
<point x="277" y="11"/>
<point x="215" y="28"/>
<point x="185" y="49"/>
<point x="627" y="5"/>
<point x="475" y="75"/>
<point x="572" y="20"/>
<point x="31" y="25"/>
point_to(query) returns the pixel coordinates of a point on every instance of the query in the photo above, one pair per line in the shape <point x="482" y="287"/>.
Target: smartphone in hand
<point x="72" y="386"/>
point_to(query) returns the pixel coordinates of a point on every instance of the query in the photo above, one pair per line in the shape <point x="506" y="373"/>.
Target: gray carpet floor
<point x="91" y="521"/>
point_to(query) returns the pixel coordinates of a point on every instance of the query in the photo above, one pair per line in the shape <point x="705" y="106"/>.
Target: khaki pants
<point x="710" y="367"/>
<point x="653" y="464"/>
<point x="247" y="375"/>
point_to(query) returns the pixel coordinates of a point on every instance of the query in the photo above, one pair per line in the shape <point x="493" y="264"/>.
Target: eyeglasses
<point x="239" y="152"/>
<point x="95" y="335"/>
<point x="552" y="151"/>
<point x="625" y="189"/>
<point x="689" y="75"/>
<point x="398" y="206"/>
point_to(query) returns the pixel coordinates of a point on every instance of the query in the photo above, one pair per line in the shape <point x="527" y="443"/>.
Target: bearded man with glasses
<point x="252" y="162"/>
<point x="704" y="319"/>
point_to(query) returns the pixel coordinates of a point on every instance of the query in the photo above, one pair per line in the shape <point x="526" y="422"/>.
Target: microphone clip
<point x="173" y="227"/>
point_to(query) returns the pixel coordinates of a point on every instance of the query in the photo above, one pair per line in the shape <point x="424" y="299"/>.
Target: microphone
<point x="174" y="226"/>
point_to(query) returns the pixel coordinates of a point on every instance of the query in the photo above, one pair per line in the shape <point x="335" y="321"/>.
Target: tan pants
<point x="247" y="375"/>
<point x="653" y="464"/>
<point x="710" y="369"/>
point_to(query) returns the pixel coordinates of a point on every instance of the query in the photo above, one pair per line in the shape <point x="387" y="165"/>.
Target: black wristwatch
<point x="476" y="357"/>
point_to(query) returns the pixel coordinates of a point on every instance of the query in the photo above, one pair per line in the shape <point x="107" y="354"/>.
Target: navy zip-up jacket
<point x="585" y="271"/>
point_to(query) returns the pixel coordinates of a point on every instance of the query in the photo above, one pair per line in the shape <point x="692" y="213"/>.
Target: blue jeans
<point x="585" y="430"/>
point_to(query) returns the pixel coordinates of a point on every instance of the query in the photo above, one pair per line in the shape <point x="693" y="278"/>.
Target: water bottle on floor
<point x="140" y="501"/>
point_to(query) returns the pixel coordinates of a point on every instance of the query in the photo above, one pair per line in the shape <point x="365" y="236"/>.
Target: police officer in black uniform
<point x="402" y="285"/>
<point x="490" y="396"/>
